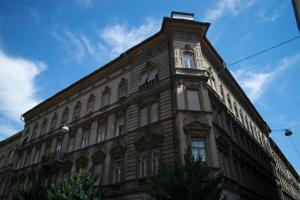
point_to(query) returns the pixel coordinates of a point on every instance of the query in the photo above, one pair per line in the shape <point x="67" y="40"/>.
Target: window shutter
<point x="154" y="112"/>
<point x="193" y="100"/>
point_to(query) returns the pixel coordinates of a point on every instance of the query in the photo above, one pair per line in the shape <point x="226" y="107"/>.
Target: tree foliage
<point x="188" y="181"/>
<point x="80" y="186"/>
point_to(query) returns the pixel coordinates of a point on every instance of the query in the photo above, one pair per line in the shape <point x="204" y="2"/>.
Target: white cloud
<point x="79" y="46"/>
<point x="108" y="43"/>
<point x="255" y="82"/>
<point x="17" y="87"/>
<point x="264" y="17"/>
<point x="120" y="37"/>
<point x="227" y="7"/>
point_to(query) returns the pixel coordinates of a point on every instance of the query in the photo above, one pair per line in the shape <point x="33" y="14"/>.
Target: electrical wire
<point x="293" y="144"/>
<point x="265" y="50"/>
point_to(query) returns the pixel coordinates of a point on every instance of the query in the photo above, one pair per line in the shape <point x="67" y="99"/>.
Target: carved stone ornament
<point x="148" y="140"/>
<point x="197" y="128"/>
<point x="118" y="151"/>
<point x="98" y="157"/>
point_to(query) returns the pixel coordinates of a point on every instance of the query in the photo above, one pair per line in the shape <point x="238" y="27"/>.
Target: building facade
<point x="288" y="180"/>
<point x="168" y="93"/>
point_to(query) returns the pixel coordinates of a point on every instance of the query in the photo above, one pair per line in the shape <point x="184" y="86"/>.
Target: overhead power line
<point x="265" y="50"/>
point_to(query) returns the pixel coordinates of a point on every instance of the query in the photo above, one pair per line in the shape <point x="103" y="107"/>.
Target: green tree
<point x="80" y="186"/>
<point x="188" y="181"/>
<point x="30" y="191"/>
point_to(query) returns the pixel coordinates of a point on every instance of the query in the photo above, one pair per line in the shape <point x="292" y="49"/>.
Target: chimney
<point x="182" y="15"/>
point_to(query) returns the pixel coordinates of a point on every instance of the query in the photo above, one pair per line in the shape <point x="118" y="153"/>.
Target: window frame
<point x="190" y="53"/>
<point x="102" y="136"/>
<point x="118" y="117"/>
<point x="105" y="92"/>
<point x="203" y="139"/>
<point x="77" y="110"/>
<point x="65" y="116"/>
<point x="123" y="88"/>
<point x="90" y="104"/>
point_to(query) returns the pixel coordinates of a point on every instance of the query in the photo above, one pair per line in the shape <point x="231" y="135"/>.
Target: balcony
<point x="53" y="160"/>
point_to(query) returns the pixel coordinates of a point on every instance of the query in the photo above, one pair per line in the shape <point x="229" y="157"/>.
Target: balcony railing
<point x="52" y="159"/>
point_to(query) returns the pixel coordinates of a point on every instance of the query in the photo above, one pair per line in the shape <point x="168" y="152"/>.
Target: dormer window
<point x="189" y="60"/>
<point x="65" y="116"/>
<point x="77" y="110"/>
<point x="123" y="87"/>
<point x="105" y="97"/>
<point x="90" y="104"/>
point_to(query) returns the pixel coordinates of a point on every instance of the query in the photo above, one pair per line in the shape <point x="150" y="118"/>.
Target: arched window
<point x="123" y="87"/>
<point x="105" y="96"/>
<point x="189" y="60"/>
<point x="34" y="131"/>
<point x="77" y="110"/>
<point x="54" y="121"/>
<point x="90" y="104"/>
<point x="44" y="126"/>
<point x="65" y="115"/>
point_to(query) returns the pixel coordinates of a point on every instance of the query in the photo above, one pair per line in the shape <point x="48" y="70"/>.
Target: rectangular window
<point x="143" y="164"/>
<point x="199" y="149"/>
<point x="154" y="162"/>
<point x="84" y="141"/>
<point x="193" y="100"/>
<point x="101" y="132"/>
<point x="57" y="154"/>
<point x="120" y="126"/>
<point x="143" y="116"/>
<point x="37" y="156"/>
<point x="117" y="171"/>
<point x="105" y="99"/>
<point x="154" y="112"/>
<point x="71" y="144"/>
<point x="189" y="60"/>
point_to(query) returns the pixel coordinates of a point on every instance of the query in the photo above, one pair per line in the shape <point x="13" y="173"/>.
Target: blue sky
<point x="47" y="45"/>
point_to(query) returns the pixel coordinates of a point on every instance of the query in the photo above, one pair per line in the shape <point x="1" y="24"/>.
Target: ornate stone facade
<point x="168" y="93"/>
